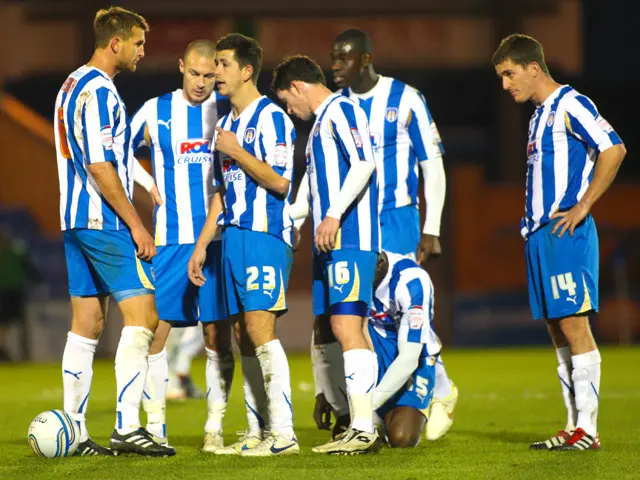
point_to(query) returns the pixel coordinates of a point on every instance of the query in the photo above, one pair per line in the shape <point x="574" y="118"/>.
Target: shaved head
<point x="358" y="39"/>
<point x="203" y="47"/>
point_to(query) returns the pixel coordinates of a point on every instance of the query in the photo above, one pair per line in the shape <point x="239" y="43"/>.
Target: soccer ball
<point x="53" y="434"/>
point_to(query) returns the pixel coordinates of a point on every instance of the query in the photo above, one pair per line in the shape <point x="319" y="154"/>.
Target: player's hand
<point x="296" y="239"/>
<point x="322" y="412"/>
<point x="194" y="268"/>
<point x="570" y="219"/>
<point x="428" y="247"/>
<point x="226" y="142"/>
<point x="326" y="234"/>
<point x="155" y="195"/>
<point x="144" y="242"/>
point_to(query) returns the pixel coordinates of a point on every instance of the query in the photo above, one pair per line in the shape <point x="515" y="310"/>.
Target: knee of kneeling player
<point x="403" y="438"/>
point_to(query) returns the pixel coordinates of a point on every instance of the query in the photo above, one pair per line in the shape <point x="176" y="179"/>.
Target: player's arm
<point x="140" y="138"/>
<point x="352" y="129"/>
<point x="426" y="143"/>
<point x="210" y="227"/>
<point x="398" y="373"/>
<point x="97" y="116"/>
<point x="275" y="172"/>
<point x="585" y="123"/>
<point x="299" y="210"/>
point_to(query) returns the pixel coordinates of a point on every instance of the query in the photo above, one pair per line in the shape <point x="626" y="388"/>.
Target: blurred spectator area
<point x="442" y="47"/>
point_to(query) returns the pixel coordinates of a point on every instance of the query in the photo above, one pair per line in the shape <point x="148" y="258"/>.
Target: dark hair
<point x="297" y="67"/>
<point x="357" y="38"/>
<point x="521" y="50"/>
<point x="246" y="50"/>
<point x="116" y="22"/>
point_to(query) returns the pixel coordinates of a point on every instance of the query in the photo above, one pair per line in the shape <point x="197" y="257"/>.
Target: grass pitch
<point x="508" y="398"/>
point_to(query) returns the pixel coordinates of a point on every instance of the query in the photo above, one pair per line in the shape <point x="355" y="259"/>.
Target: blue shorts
<point x="256" y="271"/>
<point x="177" y="299"/>
<point x="102" y="262"/>
<point x="343" y="277"/>
<point x="563" y="272"/>
<point x="400" y="230"/>
<point x="416" y="394"/>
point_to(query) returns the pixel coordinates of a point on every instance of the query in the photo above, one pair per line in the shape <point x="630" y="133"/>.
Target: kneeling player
<point x="406" y="346"/>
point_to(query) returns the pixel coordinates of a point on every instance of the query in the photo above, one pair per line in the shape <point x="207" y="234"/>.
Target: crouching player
<point x="400" y="327"/>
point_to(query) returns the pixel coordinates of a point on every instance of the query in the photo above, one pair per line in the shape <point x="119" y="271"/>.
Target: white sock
<point x="131" y="373"/>
<point x="154" y="397"/>
<point x="564" y="374"/>
<point x="586" y="384"/>
<point x="360" y="376"/>
<point x="442" y="388"/>
<point x="328" y="365"/>
<point x="191" y="343"/>
<point x="219" y="374"/>
<point x="77" y="371"/>
<point x="275" y="371"/>
<point x="255" y="397"/>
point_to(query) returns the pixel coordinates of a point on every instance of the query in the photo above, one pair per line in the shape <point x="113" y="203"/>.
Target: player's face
<point x="131" y="51"/>
<point x="517" y="80"/>
<point x="346" y="64"/>
<point x="295" y="103"/>
<point x="199" y="77"/>
<point x="229" y="74"/>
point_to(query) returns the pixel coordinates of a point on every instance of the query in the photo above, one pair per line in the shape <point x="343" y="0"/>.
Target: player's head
<point x="238" y="62"/>
<point x="198" y="68"/>
<point x="122" y="33"/>
<point x="351" y="55"/>
<point x="293" y="79"/>
<point x="519" y="62"/>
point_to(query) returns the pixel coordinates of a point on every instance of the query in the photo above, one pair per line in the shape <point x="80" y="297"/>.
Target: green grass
<point x="508" y="398"/>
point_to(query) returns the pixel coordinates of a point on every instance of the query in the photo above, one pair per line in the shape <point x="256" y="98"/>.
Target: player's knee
<point x="403" y="438"/>
<point x="260" y="327"/>
<point x="140" y="311"/>
<point x="322" y="330"/>
<point x="217" y="336"/>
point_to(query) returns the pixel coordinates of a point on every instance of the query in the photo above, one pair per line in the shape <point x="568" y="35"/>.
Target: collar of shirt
<point x="325" y="103"/>
<point x="248" y="110"/>
<point x="551" y="98"/>
<point x="381" y="80"/>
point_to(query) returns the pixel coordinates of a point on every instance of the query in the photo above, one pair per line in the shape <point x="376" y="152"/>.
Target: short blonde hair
<point x="114" y="22"/>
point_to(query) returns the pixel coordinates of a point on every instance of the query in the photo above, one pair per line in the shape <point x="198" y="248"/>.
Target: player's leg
<point x="217" y="338"/>
<point x="219" y="375"/>
<point x="154" y="397"/>
<point x="261" y="283"/>
<point x="191" y="344"/>
<point x="88" y="310"/>
<point x="328" y="364"/>
<point x="348" y="276"/>
<point x="569" y="271"/>
<point x="443" y="404"/>
<point x="255" y="397"/>
<point x="404" y="426"/>
<point x="112" y="255"/>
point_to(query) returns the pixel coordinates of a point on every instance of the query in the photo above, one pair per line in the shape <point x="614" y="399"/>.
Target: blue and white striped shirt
<point x="403" y="134"/>
<point x="180" y="142"/>
<point x="91" y="126"/>
<point x="403" y="304"/>
<point x="340" y="136"/>
<point x="566" y="135"/>
<point x="267" y="133"/>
